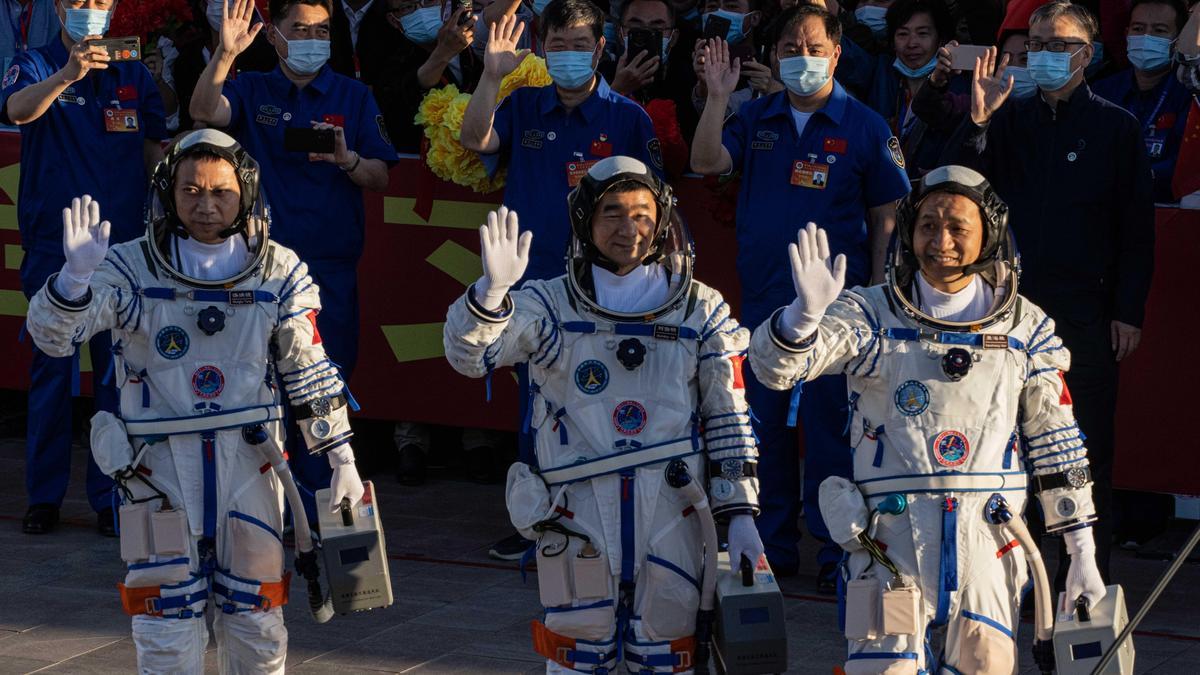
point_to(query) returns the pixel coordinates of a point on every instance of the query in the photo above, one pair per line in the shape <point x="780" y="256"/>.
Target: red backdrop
<point x="413" y="268"/>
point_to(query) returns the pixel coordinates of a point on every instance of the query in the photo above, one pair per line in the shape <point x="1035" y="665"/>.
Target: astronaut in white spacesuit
<point x="957" y="395"/>
<point x="206" y="315"/>
<point x="632" y="364"/>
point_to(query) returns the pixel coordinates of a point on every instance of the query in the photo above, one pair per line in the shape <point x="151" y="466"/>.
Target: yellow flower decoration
<point x="441" y="114"/>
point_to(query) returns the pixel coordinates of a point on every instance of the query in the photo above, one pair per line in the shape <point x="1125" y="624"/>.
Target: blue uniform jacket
<point x="851" y="163"/>
<point x="1078" y="187"/>
<point x="89" y="141"/>
<point x="545" y="145"/>
<point x="316" y="209"/>
<point x="1162" y="113"/>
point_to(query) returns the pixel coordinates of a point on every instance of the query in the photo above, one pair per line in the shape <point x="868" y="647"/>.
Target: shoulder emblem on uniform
<point x="383" y="132"/>
<point x="893" y="145"/>
<point x="654" y="149"/>
<point x="11" y="75"/>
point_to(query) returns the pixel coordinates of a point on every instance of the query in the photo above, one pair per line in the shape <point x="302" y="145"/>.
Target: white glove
<point x="1083" y="577"/>
<point x="744" y="540"/>
<point x="85" y="243"/>
<point x="505" y="256"/>
<point x="816" y="279"/>
<point x="345" y="482"/>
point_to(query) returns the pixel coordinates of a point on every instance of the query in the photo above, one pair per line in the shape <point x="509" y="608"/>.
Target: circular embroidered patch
<point x="951" y="448"/>
<point x="912" y="398"/>
<point x="629" y="418"/>
<point x="172" y="342"/>
<point x="591" y="377"/>
<point x="208" y="382"/>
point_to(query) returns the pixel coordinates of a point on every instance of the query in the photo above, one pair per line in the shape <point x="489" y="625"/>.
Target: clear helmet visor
<point x="164" y="230"/>
<point x="674" y="251"/>
<point x="1002" y="273"/>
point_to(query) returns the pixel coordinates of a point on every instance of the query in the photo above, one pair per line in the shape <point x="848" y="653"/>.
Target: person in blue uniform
<point x="31" y="25"/>
<point x="1147" y="89"/>
<point x="811" y="152"/>
<point x="554" y="134"/>
<point x="551" y="136"/>
<point x="87" y="126"/>
<point x="1074" y="172"/>
<point x="316" y="198"/>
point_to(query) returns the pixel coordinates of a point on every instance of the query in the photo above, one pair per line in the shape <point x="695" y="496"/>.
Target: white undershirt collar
<point x="643" y="289"/>
<point x="970" y="303"/>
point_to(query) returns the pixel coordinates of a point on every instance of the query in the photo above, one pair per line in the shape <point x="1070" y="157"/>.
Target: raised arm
<point x="208" y="104"/>
<point x="499" y="59"/>
<point x="89" y="294"/>
<point x="488" y="327"/>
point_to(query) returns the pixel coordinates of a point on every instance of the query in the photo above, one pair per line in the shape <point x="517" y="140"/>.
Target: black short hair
<point x="797" y="15"/>
<point x="630" y="3"/>
<point x="902" y="11"/>
<point x="1180" y="7"/>
<point x="1081" y="15"/>
<point x="279" y="8"/>
<point x="562" y="14"/>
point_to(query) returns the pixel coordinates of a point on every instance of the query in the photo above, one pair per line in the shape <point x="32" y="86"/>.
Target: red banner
<point x="414" y="268"/>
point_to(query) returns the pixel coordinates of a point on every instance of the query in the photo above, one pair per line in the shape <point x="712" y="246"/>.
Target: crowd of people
<point x="1075" y="114"/>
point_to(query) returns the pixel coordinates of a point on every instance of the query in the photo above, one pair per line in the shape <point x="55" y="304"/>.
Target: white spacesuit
<point x="201" y="332"/>
<point x="632" y="366"/>
<point x="955" y="397"/>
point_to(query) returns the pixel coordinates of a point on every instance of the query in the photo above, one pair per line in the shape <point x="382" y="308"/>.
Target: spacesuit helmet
<point x="998" y="263"/>
<point x="670" y="245"/>
<point x="162" y="217"/>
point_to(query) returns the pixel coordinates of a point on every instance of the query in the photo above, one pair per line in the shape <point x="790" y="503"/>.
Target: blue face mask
<point x="917" y="72"/>
<point x="1097" y="53"/>
<point x="422" y="26"/>
<point x="1023" y="85"/>
<point x="874" y="18"/>
<point x="804" y="75"/>
<point x="539" y="6"/>
<point x="734" y="34"/>
<point x="305" y="57"/>
<point x="1051" y="70"/>
<point x="83" y="22"/>
<point x="1148" y="52"/>
<point x="570" y="70"/>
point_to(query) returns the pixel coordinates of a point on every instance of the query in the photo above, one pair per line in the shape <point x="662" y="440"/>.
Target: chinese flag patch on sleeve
<point x="1065" y="397"/>
<point x="312" y="318"/>
<point x="736" y="362"/>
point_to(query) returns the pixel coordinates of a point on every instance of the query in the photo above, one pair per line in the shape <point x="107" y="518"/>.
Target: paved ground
<point x="456" y="611"/>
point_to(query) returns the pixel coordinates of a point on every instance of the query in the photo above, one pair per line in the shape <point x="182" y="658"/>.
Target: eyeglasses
<point x="406" y="8"/>
<point x="1050" y="46"/>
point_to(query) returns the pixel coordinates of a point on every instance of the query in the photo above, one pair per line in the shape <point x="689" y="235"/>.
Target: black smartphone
<point x="121" y="48"/>
<point x="716" y="27"/>
<point x="644" y="40"/>
<point x="300" y="139"/>
<point x="467" y="17"/>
